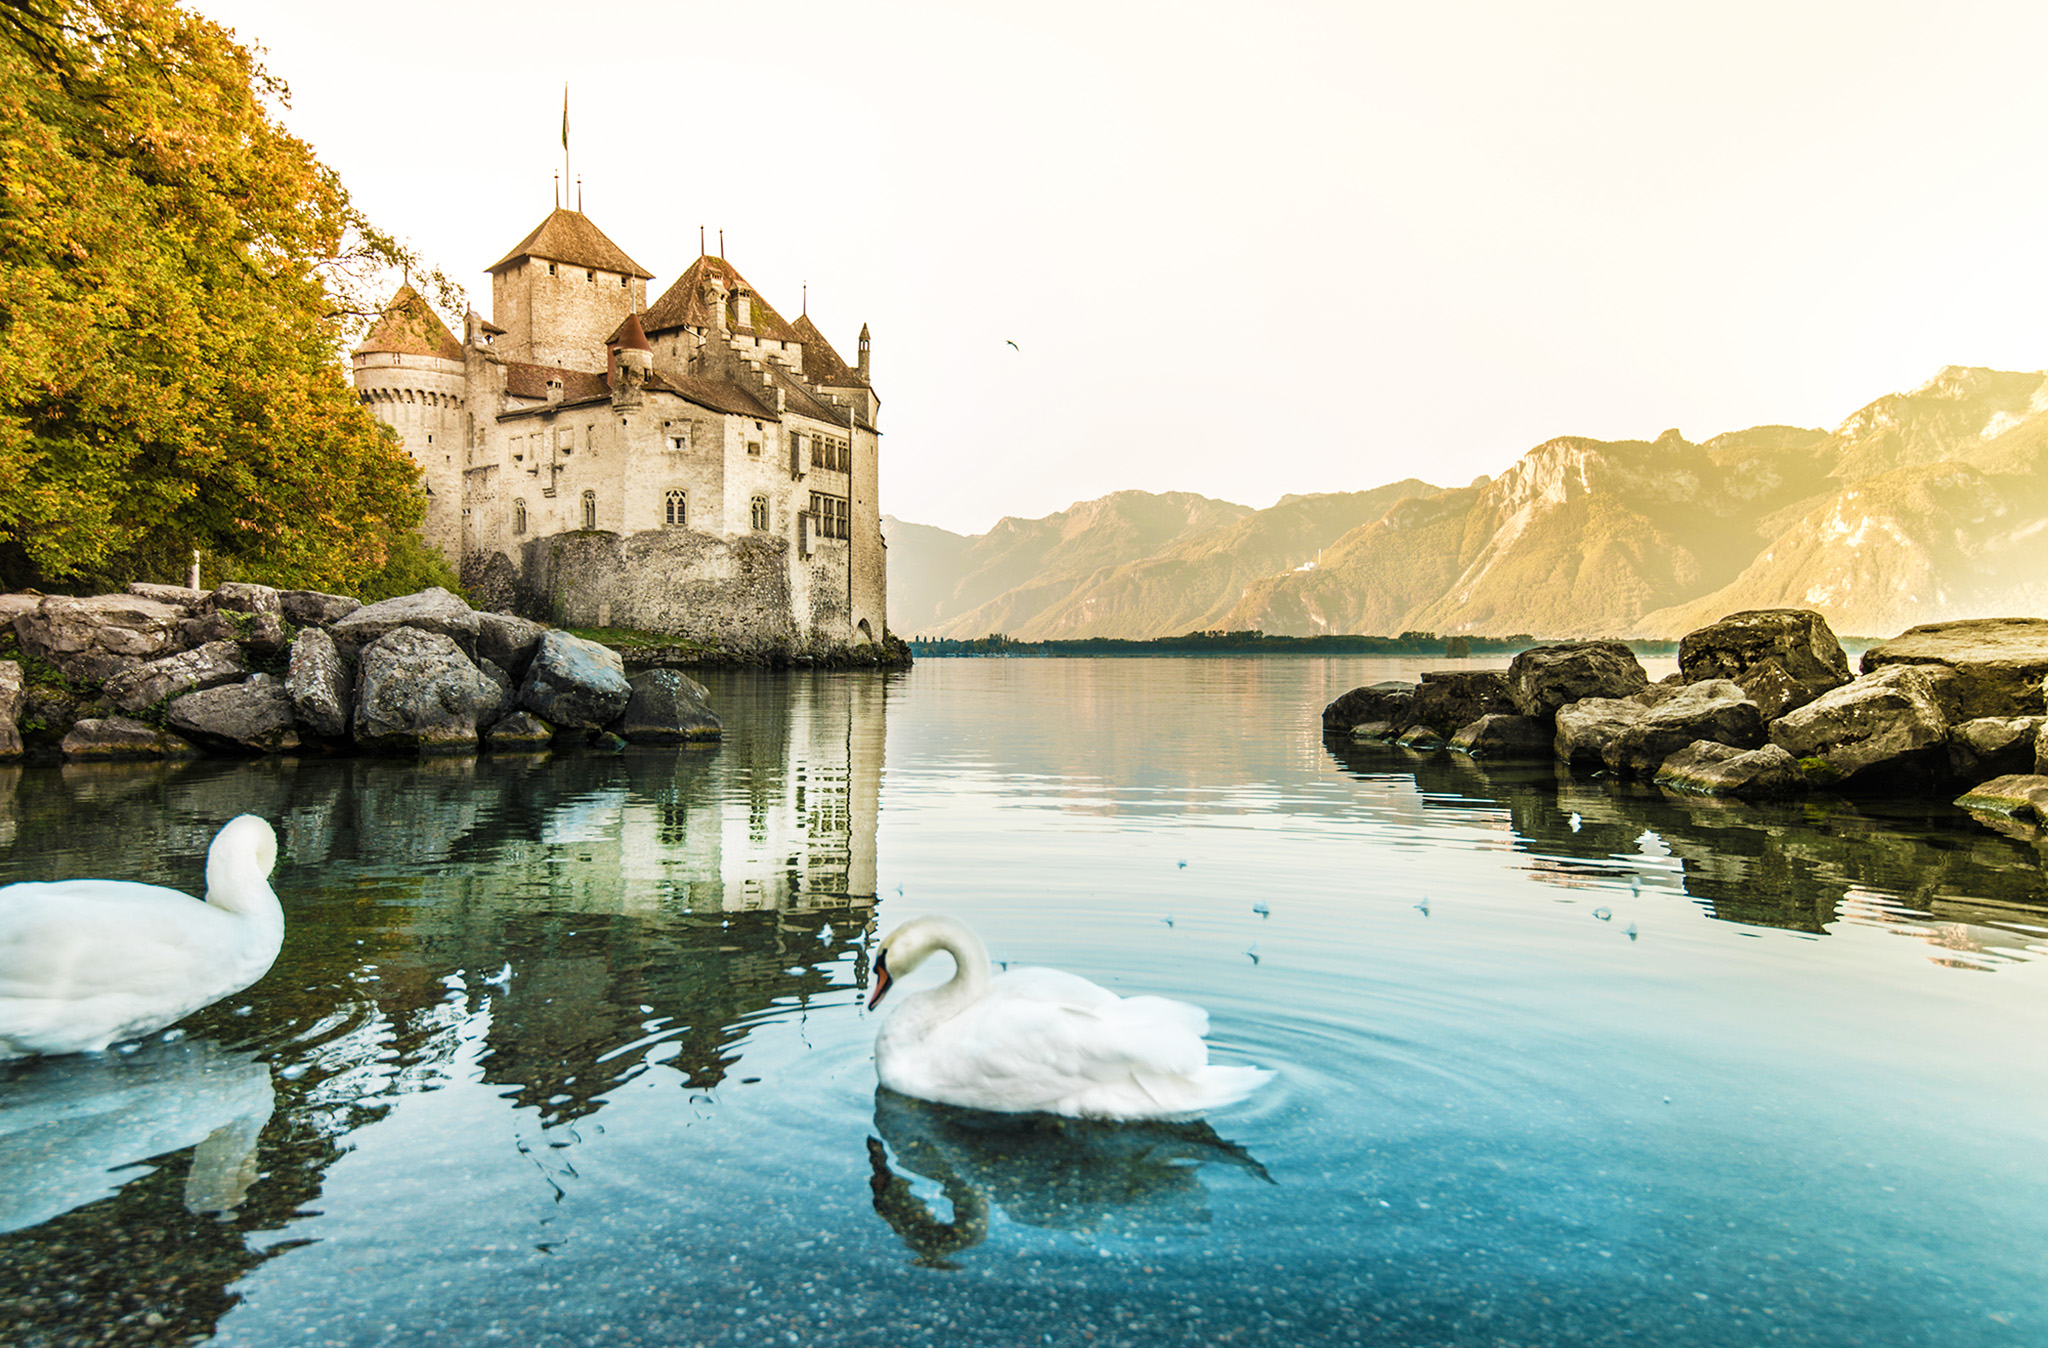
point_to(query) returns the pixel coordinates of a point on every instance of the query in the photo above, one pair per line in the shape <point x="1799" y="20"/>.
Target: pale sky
<point x="1246" y="250"/>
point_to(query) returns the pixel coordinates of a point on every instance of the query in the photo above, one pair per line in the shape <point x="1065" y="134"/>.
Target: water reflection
<point x="72" y="1131"/>
<point x="1081" y="1175"/>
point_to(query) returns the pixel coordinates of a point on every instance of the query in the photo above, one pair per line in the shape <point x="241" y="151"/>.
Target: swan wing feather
<point x="81" y="938"/>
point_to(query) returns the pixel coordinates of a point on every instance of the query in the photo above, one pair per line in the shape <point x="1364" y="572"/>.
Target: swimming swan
<point x="1039" y="1040"/>
<point x="84" y="963"/>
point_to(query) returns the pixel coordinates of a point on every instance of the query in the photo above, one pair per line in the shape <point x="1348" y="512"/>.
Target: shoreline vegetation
<point x="1427" y="644"/>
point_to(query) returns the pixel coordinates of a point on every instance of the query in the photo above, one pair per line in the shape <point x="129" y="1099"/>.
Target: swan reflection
<point x="1084" y="1175"/>
<point x="74" y="1129"/>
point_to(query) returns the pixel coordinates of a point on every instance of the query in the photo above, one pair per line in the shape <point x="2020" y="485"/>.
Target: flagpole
<point x="566" y="179"/>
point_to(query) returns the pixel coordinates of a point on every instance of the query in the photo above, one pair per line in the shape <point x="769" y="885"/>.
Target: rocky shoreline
<point x="246" y="670"/>
<point x="1764" y="705"/>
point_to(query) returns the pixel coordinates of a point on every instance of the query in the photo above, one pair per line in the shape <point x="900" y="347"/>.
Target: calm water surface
<point x="568" y="1050"/>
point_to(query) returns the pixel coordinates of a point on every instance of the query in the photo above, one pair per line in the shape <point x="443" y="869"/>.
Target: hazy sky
<point x="1252" y="249"/>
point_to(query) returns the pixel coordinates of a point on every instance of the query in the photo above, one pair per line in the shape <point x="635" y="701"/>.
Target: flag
<point x="565" y="116"/>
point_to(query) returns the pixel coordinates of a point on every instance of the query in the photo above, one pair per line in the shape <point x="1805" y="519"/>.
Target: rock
<point x="1420" y="737"/>
<point x="433" y="610"/>
<point x="1545" y="678"/>
<point x="2021" y="796"/>
<point x="1713" y="709"/>
<point x="1883" y="729"/>
<point x="521" y="732"/>
<point x="667" y="707"/>
<point x="1448" y="700"/>
<point x="265" y="634"/>
<point x="1586" y="729"/>
<point x="13" y="696"/>
<point x="1999" y="662"/>
<point x="91" y="639"/>
<point x="1993" y="746"/>
<point x="141" y="686"/>
<point x="313" y="608"/>
<point x="508" y="642"/>
<point x="416" y="692"/>
<point x="1386" y="701"/>
<point x="318" y="684"/>
<point x="1723" y="770"/>
<point x="1500" y="736"/>
<point x="1375" y="730"/>
<point x="239" y="596"/>
<point x="111" y="738"/>
<point x="575" y="684"/>
<point x="182" y="596"/>
<point x="253" y="717"/>
<point x="1782" y="657"/>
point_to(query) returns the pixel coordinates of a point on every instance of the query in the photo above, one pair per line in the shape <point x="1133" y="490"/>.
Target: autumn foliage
<point x="177" y="276"/>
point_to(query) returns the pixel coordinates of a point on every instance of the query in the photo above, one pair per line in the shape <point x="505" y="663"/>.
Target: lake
<point x="573" y="1049"/>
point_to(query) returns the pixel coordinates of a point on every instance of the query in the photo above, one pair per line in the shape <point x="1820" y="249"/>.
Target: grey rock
<point x="93" y="638"/>
<point x="1586" y="729"/>
<point x="521" y="732"/>
<point x="1448" y="700"/>
<point x="667" y="707"/>
<point x="265" y="634"/>
<point x="1375" y="730"/>
<point x="112" y="738"/>
<point x="1385" y="701"/>
<point x="433" y="610"/>
<point x="1711" y="769"/>
<point x="1712" y="709"/>
<point x="1883" y="729"/>
<point x="239" y="596"/>
<point x="508" y="642"/>
<point x="318" y="684"/>
<point x="141" y="686"/>
<point x="1999" y="663"/>
<point x="13" y="696"/>
<point x="416" y="692"/>
<point x="1782" y="657"/>
<point x="251" y="718"/>
<point x="182" y="596"/>
<point x="1420" y="737"/>
<point x="1545" y="678"/>
<point x="1993" y="746"/>
<point x="315" y="608"/>
<point x="575" y="684"/>
<point x="2021" y="796"/>
<point x="1506" y="737"/>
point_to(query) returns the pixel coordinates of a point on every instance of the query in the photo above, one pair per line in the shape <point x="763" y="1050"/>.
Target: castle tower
<point x="409" y="371"/>
<point x="561" y="291"/>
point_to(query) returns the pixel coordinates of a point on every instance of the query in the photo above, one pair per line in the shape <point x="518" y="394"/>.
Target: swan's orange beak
<point x="881" y="982"/>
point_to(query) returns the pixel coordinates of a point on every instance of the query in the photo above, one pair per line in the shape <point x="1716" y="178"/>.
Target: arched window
<point x="760" y="512"/>
<point x="675" y="507"/>
<point x="519" y="517"/>
<point x="590" y="510"/>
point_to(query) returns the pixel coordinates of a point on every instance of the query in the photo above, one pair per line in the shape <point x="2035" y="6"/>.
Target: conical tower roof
<point x="410" y="327"/>
<point x="630" y="335"/>
<point x="569" y="236"/>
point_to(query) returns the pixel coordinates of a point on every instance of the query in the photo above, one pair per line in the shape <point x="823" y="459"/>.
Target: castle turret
<point x="631" y="360"/>
<point x="561" y="290"/>
<point x="409" y="371"/>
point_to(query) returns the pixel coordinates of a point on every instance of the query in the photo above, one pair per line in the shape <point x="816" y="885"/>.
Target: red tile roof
<point x="569" y="236"/>
<point x="410" y="327"/>
<point x="531" y="381"/>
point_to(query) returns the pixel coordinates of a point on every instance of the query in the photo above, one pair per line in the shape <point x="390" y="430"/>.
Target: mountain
<point x="1921" y="506"/>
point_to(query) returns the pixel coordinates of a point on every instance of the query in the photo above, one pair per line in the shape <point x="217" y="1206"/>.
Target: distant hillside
<point x="1922" y="506"/>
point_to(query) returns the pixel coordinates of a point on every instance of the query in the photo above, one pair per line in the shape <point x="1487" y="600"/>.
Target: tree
<point x="177" y="277"/>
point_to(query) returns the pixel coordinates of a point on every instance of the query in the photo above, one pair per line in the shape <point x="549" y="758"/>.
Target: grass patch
<point x="627" y="638"/>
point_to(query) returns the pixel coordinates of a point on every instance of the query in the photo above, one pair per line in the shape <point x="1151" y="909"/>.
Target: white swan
<point x="84" y="963"/>
<point x="1038" y="1040"/>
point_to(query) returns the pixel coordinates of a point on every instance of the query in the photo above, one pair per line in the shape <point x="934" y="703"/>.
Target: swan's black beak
<point x="882" y="979"/>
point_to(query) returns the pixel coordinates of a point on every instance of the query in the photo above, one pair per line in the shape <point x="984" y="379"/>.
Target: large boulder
<point x="1449" y="700"/>
<point x="416" y="692"/>
<point x="1505" y="737"/>
<point x="240" y="596"/>
<point x="1386" y="702"/>
<point x="433" y="610"/>
<point x="521" y="732"/>
<point x="1545" y="678"/>
<point x="667" y="707"/>
<point x="318" y="683"/>
<point x="252" y="717"/>
<point x="141" y="686"/>
<point x="98" y="739"/>
<point x="179" y="596"/>
<point x="1993" y="746"/>
<point x="508" y="642"/>
<point x="2021" y="796"/>
<point x="575" y="684"/>
<point x="93" y="638"/>
<point x="1706" y="768"/>
<point x="1781" y="657"/>
<point x="1884" y="729"/>
<point x="13" y="695"/>
<point x="1588" y="728"/>
<point x="315" y="608"/>
<point x="1712" y="709"/>
<point x="1999" y="662"/>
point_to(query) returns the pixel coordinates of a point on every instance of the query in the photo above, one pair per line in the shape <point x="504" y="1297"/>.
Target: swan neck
<point x="970" y="970"/>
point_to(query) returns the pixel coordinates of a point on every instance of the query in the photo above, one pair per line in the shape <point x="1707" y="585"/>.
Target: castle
<point x="697" y="467"/>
